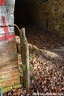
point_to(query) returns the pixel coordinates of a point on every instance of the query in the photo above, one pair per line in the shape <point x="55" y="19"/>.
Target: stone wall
<point x="38" y="12"/>
<point x="9" y="71"/>
<point x="49" y="15"/>
<point x="56" y="16"/>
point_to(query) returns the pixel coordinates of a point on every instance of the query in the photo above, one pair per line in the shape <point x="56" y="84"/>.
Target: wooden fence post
<point x="25" y="58"/>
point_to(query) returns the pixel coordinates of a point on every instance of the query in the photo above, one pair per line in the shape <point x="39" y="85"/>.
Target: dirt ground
<point x="43" y="39"/>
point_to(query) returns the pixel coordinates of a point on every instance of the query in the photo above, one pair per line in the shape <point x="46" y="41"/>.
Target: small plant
<point x="31" y="67"/>
<point x="21" y="74"/>
<point x="31" y="56"/>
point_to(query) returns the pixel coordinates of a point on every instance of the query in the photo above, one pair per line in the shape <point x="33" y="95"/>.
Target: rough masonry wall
<point x="56" y="16"/>
<point x="9" y="71"/>
<point x="38" y="12"/>
<point x="49" y="15"/>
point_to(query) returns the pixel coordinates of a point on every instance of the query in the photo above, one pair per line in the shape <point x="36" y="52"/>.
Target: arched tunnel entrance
<point x="36" y="17"/>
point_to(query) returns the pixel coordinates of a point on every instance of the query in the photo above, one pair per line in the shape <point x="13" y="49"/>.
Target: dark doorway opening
<point x="21" y="14"/>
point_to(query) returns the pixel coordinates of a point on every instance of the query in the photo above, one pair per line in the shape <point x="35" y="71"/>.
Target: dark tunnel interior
<point x="21" y="13"/>
<point x="22" y="16"/>
<point x="35" y="17"/>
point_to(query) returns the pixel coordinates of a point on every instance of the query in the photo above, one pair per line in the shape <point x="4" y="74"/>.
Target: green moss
<point x="6" y="89"/>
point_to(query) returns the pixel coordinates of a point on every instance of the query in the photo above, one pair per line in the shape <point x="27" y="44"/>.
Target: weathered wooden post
<point x="9" y="72"/>
<point x="25" y="58"/>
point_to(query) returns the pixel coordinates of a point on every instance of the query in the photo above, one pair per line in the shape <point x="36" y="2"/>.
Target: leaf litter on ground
<point x="45" y="76"/>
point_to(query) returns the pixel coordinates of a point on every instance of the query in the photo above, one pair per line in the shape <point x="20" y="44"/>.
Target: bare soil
<point x="42" y="38"/>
